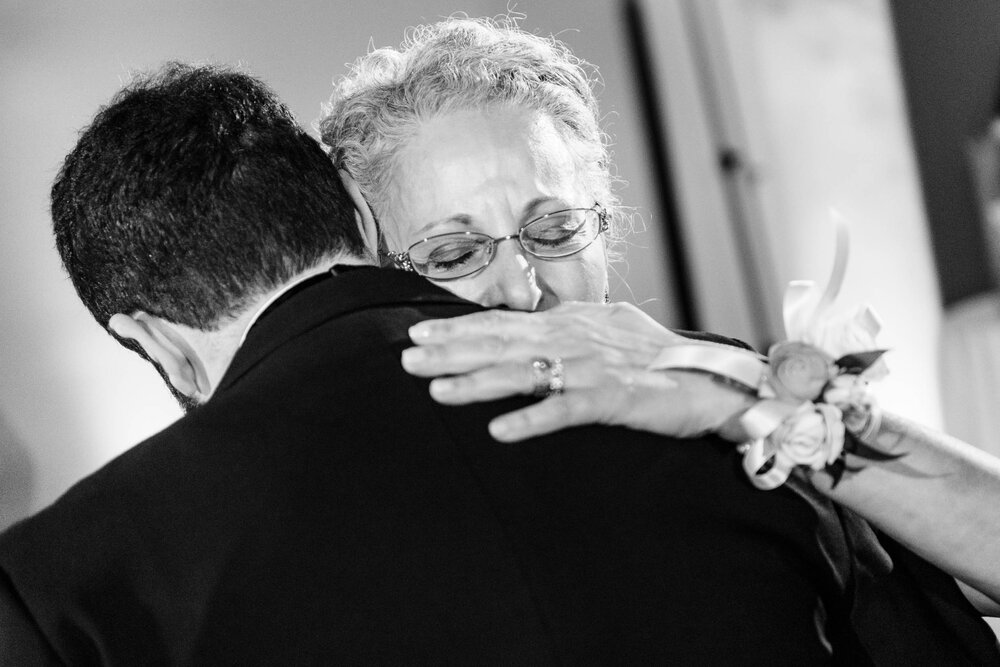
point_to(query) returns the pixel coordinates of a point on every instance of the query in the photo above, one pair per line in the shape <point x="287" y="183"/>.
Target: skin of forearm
<point x="939" y="499"/>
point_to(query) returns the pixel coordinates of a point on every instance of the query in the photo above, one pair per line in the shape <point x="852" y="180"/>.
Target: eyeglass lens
<point x="459" y="254"/>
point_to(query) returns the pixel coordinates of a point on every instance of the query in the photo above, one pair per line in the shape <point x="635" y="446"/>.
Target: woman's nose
<point x="512" y="280"/>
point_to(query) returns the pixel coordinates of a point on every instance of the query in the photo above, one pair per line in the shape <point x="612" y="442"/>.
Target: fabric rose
<point x="799" y="372"/>
<point x="853" y="395"/>
<point x="813" y="437"/>
<point x="818" y="379"/>
<point x="849" y="392"/>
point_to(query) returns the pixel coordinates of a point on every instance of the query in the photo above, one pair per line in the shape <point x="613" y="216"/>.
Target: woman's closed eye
<point x="556" y="236"/>
<point x="557" y="230"/>
<point x="452" y="255"/>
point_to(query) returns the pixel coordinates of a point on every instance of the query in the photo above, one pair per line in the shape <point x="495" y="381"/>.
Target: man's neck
<point x="273" y="296"/>
<point x="217" y="348"/>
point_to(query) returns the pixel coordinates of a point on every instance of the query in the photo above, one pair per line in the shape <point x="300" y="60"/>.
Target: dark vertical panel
<point x="949" y="54"/>
<point x="666" y="191"/>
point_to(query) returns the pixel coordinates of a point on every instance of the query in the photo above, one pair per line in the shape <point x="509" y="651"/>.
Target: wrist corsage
<point x="808" y="401"/>
<point x="813" y="388"/>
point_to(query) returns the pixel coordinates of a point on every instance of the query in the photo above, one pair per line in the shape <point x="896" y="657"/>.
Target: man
<point x="319" y="508"/>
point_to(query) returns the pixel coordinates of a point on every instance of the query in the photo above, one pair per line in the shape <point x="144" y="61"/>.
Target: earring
<point x="607" y="295"/>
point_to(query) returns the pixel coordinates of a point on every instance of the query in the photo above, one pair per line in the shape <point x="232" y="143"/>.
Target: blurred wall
<point x="822" y="82"/>
<point x="950" y="58"/>
<point x="70" y="398"/>
<point x="777" y="113"/>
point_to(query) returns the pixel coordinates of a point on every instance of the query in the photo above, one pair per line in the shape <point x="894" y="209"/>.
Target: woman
<point x="469" y="156"/>
<point x="478" y="151"/>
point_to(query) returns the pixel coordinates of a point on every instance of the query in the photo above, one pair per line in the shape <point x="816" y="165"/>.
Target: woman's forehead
<point x="471" y="158"/>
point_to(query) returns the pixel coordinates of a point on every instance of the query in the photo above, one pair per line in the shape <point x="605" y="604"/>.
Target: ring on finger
<point x="547" y="377"/>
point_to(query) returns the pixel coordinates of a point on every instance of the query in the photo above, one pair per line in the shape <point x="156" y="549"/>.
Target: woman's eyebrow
<point x="529" y="213"/>
<point x="459" y="218"/>
<point x="531" y="209"/>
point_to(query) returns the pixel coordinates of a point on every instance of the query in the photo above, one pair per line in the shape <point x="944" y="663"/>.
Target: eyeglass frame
<point x="402" y="259"/>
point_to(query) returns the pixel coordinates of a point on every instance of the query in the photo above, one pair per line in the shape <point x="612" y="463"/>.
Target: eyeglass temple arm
<point x="602" y="215"/>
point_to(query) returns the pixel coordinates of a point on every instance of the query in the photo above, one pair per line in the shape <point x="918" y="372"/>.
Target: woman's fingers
<point x="517" y="378"/>
<point x="602" y="378"/>
<point x="468" y="355"/>
<point x="638" y="399"/>
<point x="678" y="404"/>
<point x="465" y="355"/>
<point x="514" y="324"/>
<point x="498" y="323"/>
<point x="484" y="385"/>
<point x="458" y="356"/>
<point x="553" y="414"/>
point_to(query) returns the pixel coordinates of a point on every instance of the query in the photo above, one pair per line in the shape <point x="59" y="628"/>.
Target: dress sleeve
<point x="934" y="623"/>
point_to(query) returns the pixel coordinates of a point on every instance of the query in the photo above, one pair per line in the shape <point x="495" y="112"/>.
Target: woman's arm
<point x="604" y="353"/>
<point x="940" y="499"/>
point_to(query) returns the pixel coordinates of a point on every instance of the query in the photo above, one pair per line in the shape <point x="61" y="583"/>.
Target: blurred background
<point x="737" y="126"/>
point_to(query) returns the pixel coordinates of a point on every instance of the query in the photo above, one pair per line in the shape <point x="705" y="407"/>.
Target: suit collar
<point x="342" y="290"/>
<point x="285" y="292"/>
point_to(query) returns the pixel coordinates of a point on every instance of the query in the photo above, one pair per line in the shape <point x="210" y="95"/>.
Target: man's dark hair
<point x="193" y="191"/>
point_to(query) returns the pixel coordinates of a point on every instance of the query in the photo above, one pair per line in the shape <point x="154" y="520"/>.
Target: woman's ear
<point x="362" y="213"/>
<point x="167" y="347"/>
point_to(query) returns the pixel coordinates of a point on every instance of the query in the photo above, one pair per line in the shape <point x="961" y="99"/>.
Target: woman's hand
<point x="605" y="352"/>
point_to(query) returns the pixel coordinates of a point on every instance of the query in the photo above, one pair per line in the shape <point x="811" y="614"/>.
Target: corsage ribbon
<point x="807" y="384"/>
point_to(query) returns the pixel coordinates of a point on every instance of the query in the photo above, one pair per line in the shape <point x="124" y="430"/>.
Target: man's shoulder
<point x="83" y="536"/>
<point x="108" y="511"/>
<point x="82" y="509"/>
<point x="22" y="641"/>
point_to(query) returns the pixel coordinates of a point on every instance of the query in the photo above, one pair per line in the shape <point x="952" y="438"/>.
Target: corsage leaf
<point x="858" y="362"/>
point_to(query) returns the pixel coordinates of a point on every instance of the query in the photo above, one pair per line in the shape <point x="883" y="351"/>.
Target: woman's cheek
<point x="583" y="278"/>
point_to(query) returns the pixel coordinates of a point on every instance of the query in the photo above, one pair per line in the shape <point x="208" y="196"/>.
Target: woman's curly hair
<point x="454" y="65"/>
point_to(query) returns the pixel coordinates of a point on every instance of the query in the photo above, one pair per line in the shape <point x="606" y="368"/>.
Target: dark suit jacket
<point x="322" y="509"/>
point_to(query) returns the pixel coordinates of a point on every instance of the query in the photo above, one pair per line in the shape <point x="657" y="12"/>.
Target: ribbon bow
<point x="822" y="369"/>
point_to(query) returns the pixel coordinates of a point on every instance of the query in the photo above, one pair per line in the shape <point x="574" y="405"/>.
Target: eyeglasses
<point x="461" y="254"/>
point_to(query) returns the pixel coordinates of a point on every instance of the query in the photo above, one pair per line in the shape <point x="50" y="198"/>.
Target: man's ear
<point x="362" y="213"/>
<point x="167" y="347"/>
